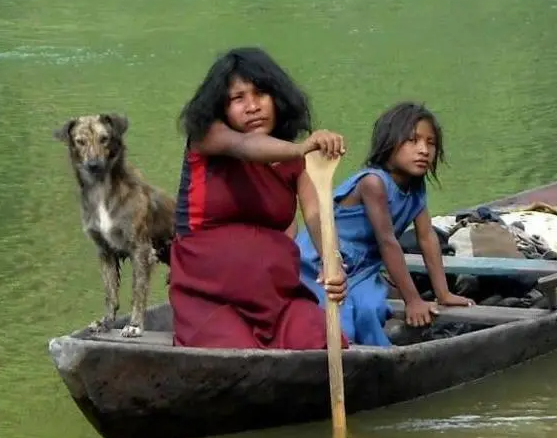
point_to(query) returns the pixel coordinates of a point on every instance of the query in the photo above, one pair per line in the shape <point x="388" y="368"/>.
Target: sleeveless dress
<point x="234" y="273"/>
<point x="365" y="309"/>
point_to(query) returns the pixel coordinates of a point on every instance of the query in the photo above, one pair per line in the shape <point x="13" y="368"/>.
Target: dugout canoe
<point x="146" y="388"/>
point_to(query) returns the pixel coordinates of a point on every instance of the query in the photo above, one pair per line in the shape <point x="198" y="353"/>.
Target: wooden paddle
<point x="321" y="171"/>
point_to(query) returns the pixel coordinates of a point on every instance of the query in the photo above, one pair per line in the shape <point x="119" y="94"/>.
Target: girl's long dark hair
<point x="251" y="64"/>
<point x="397" y="125"/>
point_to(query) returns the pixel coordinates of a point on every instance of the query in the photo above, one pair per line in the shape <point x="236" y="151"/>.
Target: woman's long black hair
<point x="397" y="125"/>
<point x="251" y="64"/>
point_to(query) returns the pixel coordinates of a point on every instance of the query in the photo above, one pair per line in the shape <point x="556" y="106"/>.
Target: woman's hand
<point x="335" y="286"/>
<point x="330" y="143"/>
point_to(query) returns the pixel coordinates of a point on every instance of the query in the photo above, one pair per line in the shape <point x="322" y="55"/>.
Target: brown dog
<point x="121" y="213"/>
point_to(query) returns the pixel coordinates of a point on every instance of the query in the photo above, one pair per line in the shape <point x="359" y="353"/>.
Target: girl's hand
<point x="335" y="286"/>
<point x="450" y="299"/>
<point x="331" y="144"/>
<point x="418" y="312"/>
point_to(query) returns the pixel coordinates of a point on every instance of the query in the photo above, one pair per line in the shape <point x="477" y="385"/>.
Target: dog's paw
<point x="132" y="331"/>
<point x="101" y="325"/>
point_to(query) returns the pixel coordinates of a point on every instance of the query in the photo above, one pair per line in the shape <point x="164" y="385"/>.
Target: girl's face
<point x="415" y="156"/>
<point x="248" y="109"/>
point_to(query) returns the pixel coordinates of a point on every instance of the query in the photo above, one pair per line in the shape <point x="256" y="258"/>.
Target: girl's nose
<point x="423" y="148"/>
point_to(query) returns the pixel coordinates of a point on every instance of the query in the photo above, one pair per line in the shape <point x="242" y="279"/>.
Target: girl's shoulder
<point x="350" y="183"/>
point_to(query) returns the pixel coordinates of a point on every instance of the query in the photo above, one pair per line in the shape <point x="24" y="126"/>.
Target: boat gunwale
<point x="279" y="353"/>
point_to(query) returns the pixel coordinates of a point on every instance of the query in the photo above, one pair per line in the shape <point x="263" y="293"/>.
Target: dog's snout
<point x="94" y="165"/>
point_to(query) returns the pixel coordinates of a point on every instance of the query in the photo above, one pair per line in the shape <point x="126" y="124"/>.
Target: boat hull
<point x="126" y="391"/>
<point x="143" y="390"/>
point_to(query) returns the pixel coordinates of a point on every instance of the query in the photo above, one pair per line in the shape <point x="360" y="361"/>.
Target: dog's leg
<point x="142" y="264"/>
<point x="110" y="272"/>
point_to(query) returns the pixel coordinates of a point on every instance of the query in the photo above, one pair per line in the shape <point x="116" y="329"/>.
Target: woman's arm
<point x="292" y="229"/>
<point x="431" y="250"/>
<point x="309" y="206"/>
<point x="222" y="140"/>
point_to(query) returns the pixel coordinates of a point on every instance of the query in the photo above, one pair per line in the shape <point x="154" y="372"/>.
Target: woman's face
<point x="248" y="109"/>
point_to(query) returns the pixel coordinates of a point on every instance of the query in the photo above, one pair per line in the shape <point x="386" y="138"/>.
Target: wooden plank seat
<point x="545" y="270"/>
<point x="488" y="315"/>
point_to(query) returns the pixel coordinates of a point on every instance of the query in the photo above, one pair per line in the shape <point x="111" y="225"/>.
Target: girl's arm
<point x="374" y="197"/>
<point x="431" y="250"/>
<point x="372" y="190"/>
<point x="429" y="244"/>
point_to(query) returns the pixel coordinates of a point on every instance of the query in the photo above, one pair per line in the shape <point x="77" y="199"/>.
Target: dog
<point x="122" y="214"/>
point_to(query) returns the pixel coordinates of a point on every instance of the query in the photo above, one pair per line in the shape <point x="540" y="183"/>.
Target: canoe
<point x="143" y="388"/>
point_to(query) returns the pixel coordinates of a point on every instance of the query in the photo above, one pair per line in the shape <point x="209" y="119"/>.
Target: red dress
<point x="234" y="279"/>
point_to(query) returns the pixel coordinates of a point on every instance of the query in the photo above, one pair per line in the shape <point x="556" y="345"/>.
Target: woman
<point x="234" y="279"/>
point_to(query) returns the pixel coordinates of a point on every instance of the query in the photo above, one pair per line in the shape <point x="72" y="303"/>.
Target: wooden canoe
<point x="147" y="388"/>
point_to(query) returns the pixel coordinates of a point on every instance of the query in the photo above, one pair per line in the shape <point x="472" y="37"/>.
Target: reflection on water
<point x="518" y="402"/>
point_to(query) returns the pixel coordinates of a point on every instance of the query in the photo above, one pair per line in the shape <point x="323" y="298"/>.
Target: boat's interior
<point x="450" y="322"/>
<point x="499" y="302"/>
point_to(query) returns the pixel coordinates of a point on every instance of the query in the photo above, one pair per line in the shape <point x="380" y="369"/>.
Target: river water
<point x="486" y="67"/>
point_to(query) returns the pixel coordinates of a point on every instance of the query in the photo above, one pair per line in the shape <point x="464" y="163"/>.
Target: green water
<point x="487" y="67"/>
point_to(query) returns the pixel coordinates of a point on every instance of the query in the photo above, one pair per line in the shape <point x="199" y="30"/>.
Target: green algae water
<point x="486" y="67"/>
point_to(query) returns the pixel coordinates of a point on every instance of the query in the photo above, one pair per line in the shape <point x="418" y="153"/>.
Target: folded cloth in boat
<point x="489" y="240"/>
<point x="528" y="234"/>
<point x="538" y="224"/>
<point x="484" y="240"/>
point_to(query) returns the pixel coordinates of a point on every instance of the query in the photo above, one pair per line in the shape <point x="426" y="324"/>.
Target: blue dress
<point x="365" y="309"/>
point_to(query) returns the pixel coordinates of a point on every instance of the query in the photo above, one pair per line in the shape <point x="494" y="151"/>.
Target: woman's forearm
<point x="222" y="140"/>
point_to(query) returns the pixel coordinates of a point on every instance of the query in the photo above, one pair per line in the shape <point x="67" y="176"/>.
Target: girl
<point x="234" y="280"/>
<point x="372" y="209"/>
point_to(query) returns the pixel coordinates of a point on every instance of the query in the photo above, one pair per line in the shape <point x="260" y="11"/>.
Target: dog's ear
<point x="63" y="134"/>
<point x="119" y="123"/>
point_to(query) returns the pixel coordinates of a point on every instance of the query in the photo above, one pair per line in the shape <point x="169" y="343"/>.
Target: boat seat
<point x="482" y="315"/>
<point x="546" y="270"/>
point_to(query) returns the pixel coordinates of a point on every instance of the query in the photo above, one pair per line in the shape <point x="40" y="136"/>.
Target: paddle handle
<point x="331" y="266"/>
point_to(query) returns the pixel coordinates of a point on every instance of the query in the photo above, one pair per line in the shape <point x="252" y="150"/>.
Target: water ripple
<point x="467" y="422"/>
<point x="57" y="55"/>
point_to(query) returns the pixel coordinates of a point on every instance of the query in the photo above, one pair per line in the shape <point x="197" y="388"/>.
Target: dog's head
<point x="95" y="142"/>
